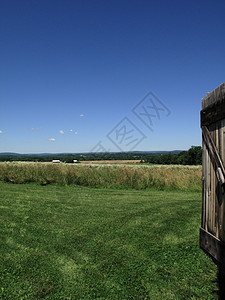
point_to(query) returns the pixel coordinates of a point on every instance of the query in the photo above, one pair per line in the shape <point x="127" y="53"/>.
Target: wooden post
<point x="212" y="231"/>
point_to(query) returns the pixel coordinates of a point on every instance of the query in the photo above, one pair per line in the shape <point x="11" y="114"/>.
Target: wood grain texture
<point x="212" y="233"/>
<point x="213" y="246"/>
<point x="213" y="97"/>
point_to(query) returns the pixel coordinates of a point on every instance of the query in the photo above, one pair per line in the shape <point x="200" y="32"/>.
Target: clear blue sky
<point x="75" y="73"/>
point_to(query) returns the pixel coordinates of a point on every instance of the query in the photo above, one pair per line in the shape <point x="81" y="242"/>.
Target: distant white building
<point x="56" y="161"/>
<point x="75" y="161"/>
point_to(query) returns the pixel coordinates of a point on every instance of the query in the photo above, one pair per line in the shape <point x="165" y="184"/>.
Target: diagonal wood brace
<point x="220" y="172"/>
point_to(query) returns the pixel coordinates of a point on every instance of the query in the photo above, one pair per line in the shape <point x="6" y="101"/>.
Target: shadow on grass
<point x="221" y="284"/>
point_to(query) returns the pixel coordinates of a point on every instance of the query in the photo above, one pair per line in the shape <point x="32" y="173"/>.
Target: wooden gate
<point x="212" y="231"/>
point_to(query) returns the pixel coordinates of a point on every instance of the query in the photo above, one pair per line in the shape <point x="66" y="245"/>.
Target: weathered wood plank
<point x="220" y="188"/>
<point x="212" y="147"/>
<point x="212" y="232"/>
<point x="208" y="191"/>
<point x="223" y="192"/>
<point x="203" y="211"/>
<point x="213" y="113"/>
<point x="216" y="185"/>
<point x="215" y="96"/>
<point x="213" y="246"/>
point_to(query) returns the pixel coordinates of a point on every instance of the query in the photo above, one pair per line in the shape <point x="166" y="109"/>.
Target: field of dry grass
<point x="110" y="161"/>
<point x="137" y="176"/>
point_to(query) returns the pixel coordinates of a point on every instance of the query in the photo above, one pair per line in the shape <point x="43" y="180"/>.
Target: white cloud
<point x="51" y="139"/>
<point x="75" y="132"/>
<point x="81" y="115"/>
<point x="1" y="131"/>
<point x="71" y="130"/>
<point x="33" y="128"/>
<point x="61" y="131"/>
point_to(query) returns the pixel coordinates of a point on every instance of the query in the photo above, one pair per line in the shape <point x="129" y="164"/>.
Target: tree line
<point x="191" y="157"/>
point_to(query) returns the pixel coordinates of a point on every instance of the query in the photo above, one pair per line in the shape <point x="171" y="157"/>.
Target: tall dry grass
<point x="119" y="176"/>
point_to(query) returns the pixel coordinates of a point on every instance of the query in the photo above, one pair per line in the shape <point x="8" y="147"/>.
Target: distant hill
<point x="8" y="153"/>
<point x="158" y="152"/>
<point x="87" y="153"/>
<point x="192" y="156"/>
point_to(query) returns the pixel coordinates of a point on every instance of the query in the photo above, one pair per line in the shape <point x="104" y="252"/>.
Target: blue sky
<point x="77" y="76"/>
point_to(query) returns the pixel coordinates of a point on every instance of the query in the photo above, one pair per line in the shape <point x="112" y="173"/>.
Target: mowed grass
<point x="69" y="242"/>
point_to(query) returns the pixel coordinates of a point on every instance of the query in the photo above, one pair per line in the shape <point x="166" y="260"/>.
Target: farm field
<point x="76" y="242"/>
<point x="110" y="161"/>
<point x="136" y="176"/>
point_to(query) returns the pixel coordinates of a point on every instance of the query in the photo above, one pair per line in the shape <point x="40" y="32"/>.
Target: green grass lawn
<point x="68" y="242"/>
